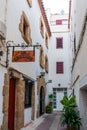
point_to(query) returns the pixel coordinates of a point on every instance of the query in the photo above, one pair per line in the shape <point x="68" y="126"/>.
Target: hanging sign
<point x="23" y="56"/>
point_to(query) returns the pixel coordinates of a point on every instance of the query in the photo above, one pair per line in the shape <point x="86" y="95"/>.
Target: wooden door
<point x="59" y="98"/>
<point x="11" y="109"/>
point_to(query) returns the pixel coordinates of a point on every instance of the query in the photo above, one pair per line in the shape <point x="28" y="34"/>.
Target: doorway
<point x="42" y="99"/>
<point x="11" y="109"/>
<point x="58" y="94"/>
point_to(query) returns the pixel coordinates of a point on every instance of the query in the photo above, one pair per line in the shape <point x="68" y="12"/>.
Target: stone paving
<point x="51" y="122"/>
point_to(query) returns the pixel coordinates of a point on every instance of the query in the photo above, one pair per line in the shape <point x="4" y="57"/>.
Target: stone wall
<point x="19" y="100"/>
<point x="41" y="82"/>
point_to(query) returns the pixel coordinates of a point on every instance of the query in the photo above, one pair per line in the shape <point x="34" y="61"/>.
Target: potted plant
<point x="49" y="109"/>
<point x="70" y="115"/>
<point x="51" y="99"/>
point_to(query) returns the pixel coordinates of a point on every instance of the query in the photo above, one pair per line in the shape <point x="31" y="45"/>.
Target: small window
<point x="46" y="40"/>
<point x="41" y="27"/>
<point x="59" y="42"/>
<point x="46" y="64"/>
<point x="42" y="58"/>
<point x="74" y="43"/>
<point x="29" y="2"/>
<point x="58" y="22"/>
<point x="59" y="67"/>
<point x="28" y="94"/>
<point x="24" y="28"/>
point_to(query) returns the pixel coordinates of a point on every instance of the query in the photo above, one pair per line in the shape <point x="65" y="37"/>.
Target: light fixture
<point x="59" y="84"/>
<point x="42" y="73"/>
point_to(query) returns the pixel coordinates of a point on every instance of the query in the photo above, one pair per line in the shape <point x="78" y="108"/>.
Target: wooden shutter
<point x="59" y="42"/>
<point x="58" y="22"/>
<point x="59" y="68"/>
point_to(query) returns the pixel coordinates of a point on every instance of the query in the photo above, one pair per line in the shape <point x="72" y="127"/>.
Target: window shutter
<point x="58" y="22"/>
<point x="59" y="68"/>
<point x="59" y="42"/>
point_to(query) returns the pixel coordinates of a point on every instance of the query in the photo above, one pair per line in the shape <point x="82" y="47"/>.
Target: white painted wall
<point x="2" y="72"/>
<point x="56" y="55"/>
<point x="14" y="34"/>
<point x="10" y="14"/>
<point x="60" y="55"/>
<point x="3" y="10"/>
<point x="14" y="12"/>
<point x="80" y="66"/>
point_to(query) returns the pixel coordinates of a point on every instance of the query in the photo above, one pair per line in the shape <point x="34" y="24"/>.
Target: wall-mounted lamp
<point x="42" y="73"/>
<point x="59" y="85"/>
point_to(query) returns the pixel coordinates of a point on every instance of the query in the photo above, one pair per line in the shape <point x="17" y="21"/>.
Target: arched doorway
<point x="42" y="100"/>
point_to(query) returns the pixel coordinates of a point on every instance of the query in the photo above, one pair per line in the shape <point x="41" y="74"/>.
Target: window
<point x="46" y="64"/>
<point x="42" y="58"/>
<point x="29" y="2"/>
<point x="46" y="40"/>
<point x="59" y="42"/>
<point x="74" y="43"/>
<point x="62" y="22"/>
<point x="24" y="28"/>
<point x="28" y="93"/>
<point x="58" y="22"/>
<point x="41" y="27"/>
<point x="59" y="67"/>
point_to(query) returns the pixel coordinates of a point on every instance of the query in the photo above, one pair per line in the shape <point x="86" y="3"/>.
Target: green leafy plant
<point x="50" y="99"/>
<point x="50" y="96"/>
<point x="70" y="115"/>
<point x="49" y="109"/>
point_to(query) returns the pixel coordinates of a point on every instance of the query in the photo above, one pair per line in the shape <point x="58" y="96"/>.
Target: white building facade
<point x="59" y="59"/>
<point x="79" y="49"/>
<point x="24" y="41"/>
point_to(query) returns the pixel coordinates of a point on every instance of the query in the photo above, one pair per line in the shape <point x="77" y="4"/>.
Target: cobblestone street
<point x="51" y="122"/>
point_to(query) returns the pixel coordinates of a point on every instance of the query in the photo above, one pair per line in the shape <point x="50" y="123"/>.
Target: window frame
<point x="30" y="3"/>
<point x="28" y="94"/>
<point x="46" y="40"/>
<point x="59" y="67"/>
<point x="41" y="27"/>
<point x="59" y="44"/>
<point x="24" y="28"/>
<point x="46" y="64"/>
<point x="59" y="22"/>
<point x="42" y="58"/>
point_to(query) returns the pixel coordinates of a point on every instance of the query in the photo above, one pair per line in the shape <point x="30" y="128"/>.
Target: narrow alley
<point x="43" y="50"/>
<point x="48" y="122"/>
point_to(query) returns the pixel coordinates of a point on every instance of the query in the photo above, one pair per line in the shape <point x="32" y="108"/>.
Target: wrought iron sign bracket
<point x="23" y="46"/>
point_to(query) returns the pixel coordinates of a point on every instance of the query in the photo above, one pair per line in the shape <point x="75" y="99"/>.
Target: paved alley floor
<point x="51" y="122"/>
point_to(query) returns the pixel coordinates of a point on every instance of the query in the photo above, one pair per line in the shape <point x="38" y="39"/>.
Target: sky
<point x="57" y="5"/>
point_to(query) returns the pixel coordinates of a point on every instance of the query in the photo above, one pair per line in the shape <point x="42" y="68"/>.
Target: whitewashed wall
<point x="80" y="66"/>
<point x="14" y="12"/>
<point x="60" y="55"/>
<point x="13" y="33"/>
<point x="2" y="72"/>
<point x="2" y="68"/>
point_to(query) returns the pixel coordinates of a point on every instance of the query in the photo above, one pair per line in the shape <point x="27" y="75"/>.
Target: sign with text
<point x="23" y="56"/>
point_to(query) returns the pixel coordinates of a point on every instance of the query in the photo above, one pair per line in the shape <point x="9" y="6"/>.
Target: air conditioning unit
<point x="2" y="30"/>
